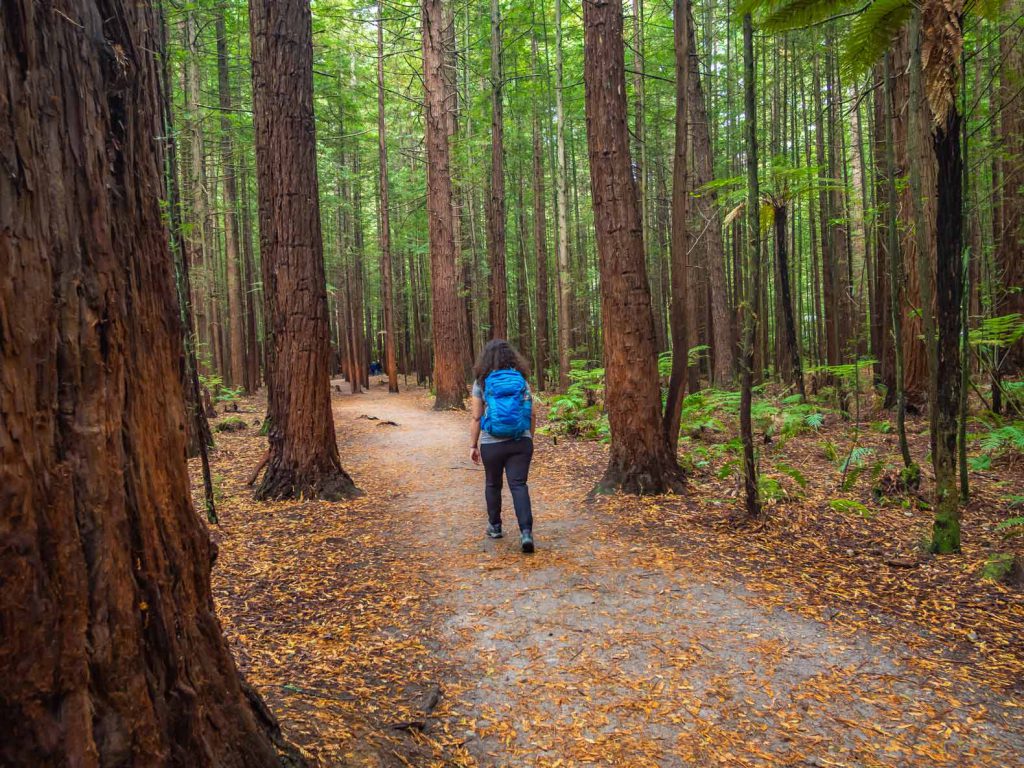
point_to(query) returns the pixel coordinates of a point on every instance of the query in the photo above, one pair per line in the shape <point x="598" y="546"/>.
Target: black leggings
<point x="513" y="458"/>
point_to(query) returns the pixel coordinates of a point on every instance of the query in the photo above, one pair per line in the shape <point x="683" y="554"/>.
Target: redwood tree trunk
<point x="112" y="653"/>
<point x="236" y="314"/>
<point x="680" y="239"/>
<point x="790" y="344"/>
<point x="387" y="291"/>
<point x="723" y="341"/>
<point x="448" y="328"/>
<point x="496" y="201"/>
<point x="640" y="460"/>
<point x="1010" y="241"/>
<point x="304" y="458"/>
<point x="540" y="243"/>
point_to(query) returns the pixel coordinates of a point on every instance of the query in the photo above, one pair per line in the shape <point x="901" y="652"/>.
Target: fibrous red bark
<point x="111" y="652"/>
<point x="304" y="458"/>
<point x="448" y="327"/>
<point x="640" y="460"/>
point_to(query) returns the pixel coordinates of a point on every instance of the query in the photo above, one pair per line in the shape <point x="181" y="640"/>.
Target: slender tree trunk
<point x="753" y="273"/>
<point x="640" y="460"/>
<point x="948" y="293"/>
<point x="723" y="345"/>
<point x="112" y="653"/>
<point x="680" y="241"/>
<point x="236" y="314"/>
<point x="253" y="294"/>
<point x="540" y="235"/>
<point x="384" y="224"/>
<point x="1009" y="257"/>
<point x="304" y="458"/>
<point x="790" y="345"/>
<point x="562" y="209"/>
<point x="895" y="265"/>
<point x="496" y="202"/>
<point x="448" y="328"/>
<point x="198" y="244"/>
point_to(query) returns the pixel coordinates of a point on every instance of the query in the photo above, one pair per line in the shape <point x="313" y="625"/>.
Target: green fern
<point x="782" y="15"/>
<point x="1011" y="522"/>
<point x="871" y="33"/>
<point x="1003" y="331"/>
<point x="1009" y="437"/>
<point x="792" y="472"/>
<point x="851" y="507"/>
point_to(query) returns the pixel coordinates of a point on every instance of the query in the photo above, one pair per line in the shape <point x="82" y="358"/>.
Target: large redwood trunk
<point x="448" y="326"/>
<point x="915" y="358"/>
<point x="640" y="460"/>
<point x="111" y="653"/>
<point x="304" y="458"/>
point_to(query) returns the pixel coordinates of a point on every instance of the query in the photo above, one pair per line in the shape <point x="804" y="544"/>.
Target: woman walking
<point x="502" y="433"/>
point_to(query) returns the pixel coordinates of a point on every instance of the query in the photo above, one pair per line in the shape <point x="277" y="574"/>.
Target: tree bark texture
<point x="540" y="242"/>
<point x="112" y="653"/>
<point x="496" y="201"/>
<point x="565" y="302"/>
<point x="709" y="235"/>
<point x="304" y="459"/>
<point x="384" y="224"/>
<point x="753" y="276"/>
<point x="448" y="327"/>
<point x="640" y="460"/>
<point x="236" y="315"/>
<point x="1010" y="239"/>
<point x="948" y="295"/>
<point x="680" y="237"/>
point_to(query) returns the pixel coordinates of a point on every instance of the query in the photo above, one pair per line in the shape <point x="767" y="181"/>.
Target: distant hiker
<point x="504" y="422"/>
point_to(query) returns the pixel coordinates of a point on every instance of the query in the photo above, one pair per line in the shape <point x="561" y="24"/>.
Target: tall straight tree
<point x="448" y="326"/>
<point x="1010" y="241"/>
<point x="112" y="653"/>
<point x="942" y="48"/>
<point x="303" y="459"/>
<point x="680" y="240"/>
<point x="496" y="201"/>
<point x="236" y="315"/>
<point x="723" y="344"/>
<point x="540" y="241"/>
<point x="384" y="225"/>
<point x="640" y="459"/>
<point x="562" y="210"/>
<point x="752" y="288"/>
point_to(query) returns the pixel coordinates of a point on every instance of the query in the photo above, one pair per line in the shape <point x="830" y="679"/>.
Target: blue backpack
<point x="509" y="406"/>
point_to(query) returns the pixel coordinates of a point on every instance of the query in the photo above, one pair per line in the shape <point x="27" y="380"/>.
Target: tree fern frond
<point x="871" y="34"/>
<point x="781" y="15"/>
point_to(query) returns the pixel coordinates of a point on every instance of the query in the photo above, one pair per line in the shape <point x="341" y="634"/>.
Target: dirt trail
<point x="604" y="649"/>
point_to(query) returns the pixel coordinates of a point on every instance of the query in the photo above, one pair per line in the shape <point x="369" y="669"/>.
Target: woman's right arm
<point x="477" y="410"/>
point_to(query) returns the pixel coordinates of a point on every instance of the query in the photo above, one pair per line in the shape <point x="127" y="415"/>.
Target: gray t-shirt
<point x="485" y="436"/>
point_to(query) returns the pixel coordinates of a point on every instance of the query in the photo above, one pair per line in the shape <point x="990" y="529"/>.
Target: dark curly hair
<point x="498" y="355"/>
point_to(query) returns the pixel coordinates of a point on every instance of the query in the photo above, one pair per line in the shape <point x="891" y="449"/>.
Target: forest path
<point x="602" y="648"/>
<point x="599" y="648"/>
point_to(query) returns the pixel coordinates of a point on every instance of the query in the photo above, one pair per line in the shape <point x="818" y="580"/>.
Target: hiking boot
<point x="526" y="539"/>
<point x="494" y="532"/>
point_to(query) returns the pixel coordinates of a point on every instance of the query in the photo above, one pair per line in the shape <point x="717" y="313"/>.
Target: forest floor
<point x="643" y="632"/>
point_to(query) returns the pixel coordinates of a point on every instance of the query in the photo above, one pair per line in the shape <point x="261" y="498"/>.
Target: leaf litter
<point x="644" y="632"/>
